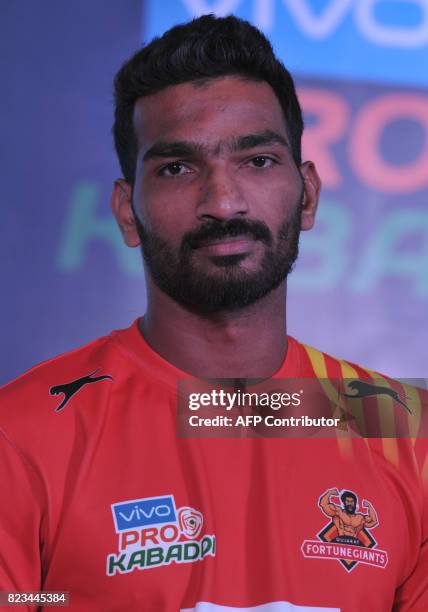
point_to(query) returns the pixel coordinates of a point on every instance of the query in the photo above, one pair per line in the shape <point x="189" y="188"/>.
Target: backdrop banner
<point x="360" y="288"/>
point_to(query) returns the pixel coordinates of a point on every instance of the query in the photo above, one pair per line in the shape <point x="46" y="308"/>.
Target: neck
<point x="249" y="343"/>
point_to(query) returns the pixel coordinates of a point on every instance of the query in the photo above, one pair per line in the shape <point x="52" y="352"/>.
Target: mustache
<point x="217" y="230"/>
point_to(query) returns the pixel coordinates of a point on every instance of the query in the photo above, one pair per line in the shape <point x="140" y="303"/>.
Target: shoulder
<point x="372" y="389"/>
<point x="323" y="365"/>
<point x="56" y="370"/>
<point x="33" y="402"/>
<point x="52" y="414"/>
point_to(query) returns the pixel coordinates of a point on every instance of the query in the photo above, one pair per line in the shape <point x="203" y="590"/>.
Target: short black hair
<point x="346" y="494"/>
<point x="205" y="48"/>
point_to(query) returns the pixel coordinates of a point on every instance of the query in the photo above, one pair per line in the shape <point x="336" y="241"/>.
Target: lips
<point x="228" y="245"/>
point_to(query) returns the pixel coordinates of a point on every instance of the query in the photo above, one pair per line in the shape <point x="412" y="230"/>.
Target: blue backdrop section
<point x="378" y="40"/>
<point x="360" y="288"/>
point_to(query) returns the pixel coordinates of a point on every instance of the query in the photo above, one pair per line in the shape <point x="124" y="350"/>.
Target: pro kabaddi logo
<point x="153" y="532"/>
<point x="347" y="537"/>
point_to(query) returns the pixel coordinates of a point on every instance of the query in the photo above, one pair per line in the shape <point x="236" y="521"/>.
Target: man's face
<point x="217" y="194"/>
<point x="350" y="505"/>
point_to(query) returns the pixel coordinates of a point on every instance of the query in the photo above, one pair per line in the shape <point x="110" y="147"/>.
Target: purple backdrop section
<point x="58" y="60"/>
<point x="360" y="289"/>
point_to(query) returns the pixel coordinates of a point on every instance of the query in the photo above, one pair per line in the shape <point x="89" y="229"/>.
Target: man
<point x="103" y="500"/>
<point x="347" y="520"/>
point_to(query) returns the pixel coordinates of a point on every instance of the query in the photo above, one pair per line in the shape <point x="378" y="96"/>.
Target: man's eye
<point x="261" y="161"/>
<point x="174" y="169"/>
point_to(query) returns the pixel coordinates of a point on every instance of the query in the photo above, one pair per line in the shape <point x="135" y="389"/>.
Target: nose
<point x="221" y="197"/>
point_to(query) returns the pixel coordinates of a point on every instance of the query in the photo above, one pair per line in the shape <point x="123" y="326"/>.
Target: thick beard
<point x="232" y="287"/>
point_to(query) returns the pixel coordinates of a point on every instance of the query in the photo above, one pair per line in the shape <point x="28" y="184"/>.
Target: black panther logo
<point x="69" y="389"/>
<point x="364" y="389"/>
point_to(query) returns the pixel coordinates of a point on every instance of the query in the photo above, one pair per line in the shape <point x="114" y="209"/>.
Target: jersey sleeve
<point x="20" y="521"/>
<point x="412" y="595"/>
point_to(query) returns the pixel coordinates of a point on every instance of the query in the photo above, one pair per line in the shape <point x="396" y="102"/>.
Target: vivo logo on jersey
<point x="152" y="532"/>
<point x="144" y="512"/>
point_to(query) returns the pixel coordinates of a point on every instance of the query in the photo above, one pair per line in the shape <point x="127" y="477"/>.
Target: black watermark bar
<point x="302" y="408"/>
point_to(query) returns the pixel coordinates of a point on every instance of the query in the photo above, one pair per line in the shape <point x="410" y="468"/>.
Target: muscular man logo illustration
<point x="347" y="536"/>
<point x="364" y="389"/>
<point x="347" y="520"/>
<point x="71" y="388"/>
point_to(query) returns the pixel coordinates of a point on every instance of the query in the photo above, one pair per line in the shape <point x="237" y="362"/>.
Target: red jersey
<point x="101" y="499"/>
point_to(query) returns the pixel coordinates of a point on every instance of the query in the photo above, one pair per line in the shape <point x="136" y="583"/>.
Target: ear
<point x="121" y="204"/>
<point x="311" y="192"/>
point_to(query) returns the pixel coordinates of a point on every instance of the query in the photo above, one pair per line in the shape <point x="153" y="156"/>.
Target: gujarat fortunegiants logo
<point x="347" y="536"/>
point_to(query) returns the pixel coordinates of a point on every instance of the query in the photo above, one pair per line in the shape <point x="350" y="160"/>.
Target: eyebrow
<point x="251" y="141"/>
<point x="187" y="148"/>
<point x="176" y="148"/>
